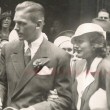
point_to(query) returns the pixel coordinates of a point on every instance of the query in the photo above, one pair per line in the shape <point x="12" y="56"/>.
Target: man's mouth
<point x="20" y="36"/>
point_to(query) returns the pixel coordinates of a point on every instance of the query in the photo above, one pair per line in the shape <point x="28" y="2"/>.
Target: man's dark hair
<point x="36" y="10"/>
<point x="103" y="10"/>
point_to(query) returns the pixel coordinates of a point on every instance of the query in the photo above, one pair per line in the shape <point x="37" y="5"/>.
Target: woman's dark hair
<point x="3" y="16"/>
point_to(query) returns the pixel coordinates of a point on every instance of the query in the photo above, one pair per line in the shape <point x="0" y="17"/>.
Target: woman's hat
<point x="88" y="27"/>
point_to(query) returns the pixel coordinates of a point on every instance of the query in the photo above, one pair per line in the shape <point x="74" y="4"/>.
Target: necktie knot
<point x="27" y="56"/>
<point x="28" y="52"/>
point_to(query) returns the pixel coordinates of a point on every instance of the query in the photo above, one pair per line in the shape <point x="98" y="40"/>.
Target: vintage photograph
<point x="54" y="54"/>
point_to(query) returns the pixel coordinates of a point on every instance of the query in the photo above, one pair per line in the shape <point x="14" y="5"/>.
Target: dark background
<point x="69" y="13"/>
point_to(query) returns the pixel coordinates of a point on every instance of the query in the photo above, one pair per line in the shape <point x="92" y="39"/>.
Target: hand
<point x="53" y="95"/>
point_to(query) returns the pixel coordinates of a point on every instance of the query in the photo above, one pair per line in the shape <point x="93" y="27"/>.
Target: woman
<point x="5" y="23"/>
<point x="91" y="75"/>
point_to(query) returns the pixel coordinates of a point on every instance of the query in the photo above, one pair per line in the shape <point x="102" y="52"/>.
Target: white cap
<point x="88" y="27"/>
<point x="59" y="40"/>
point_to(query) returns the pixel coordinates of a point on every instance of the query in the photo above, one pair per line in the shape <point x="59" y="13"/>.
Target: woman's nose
<point x="6" y="19"/>
<point x="75" y="47"/>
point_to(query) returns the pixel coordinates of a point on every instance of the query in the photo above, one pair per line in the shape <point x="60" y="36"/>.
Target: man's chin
<point x="21" y="38"/>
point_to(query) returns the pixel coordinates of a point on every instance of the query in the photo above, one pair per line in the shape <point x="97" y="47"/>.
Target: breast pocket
<point x="43" y="82"/>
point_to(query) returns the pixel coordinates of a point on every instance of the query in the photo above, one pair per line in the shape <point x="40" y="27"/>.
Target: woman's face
<point x="84" y="49"/>
<point x="6" y="22"/>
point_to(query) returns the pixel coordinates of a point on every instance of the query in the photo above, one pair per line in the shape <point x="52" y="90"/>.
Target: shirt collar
<point x="33" y="44"/>
<point x="37" y="42"/>
<point x="95" y="64"/>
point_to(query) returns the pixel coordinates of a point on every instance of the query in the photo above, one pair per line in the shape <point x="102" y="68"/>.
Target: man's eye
<point x="21" y="23"/>
<point x="67" y="49"/>
<point x="103" y="17"/>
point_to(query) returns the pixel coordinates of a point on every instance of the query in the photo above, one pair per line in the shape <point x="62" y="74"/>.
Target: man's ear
<point x="39" y="24"/>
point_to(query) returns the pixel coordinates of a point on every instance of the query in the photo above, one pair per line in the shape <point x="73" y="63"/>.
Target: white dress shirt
<point x="34" y="46"/>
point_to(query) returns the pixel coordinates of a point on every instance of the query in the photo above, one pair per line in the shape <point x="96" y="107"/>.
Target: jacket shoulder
<point x="58" y="52"/>
<point x="12" y="44"/>
<point x="10" y="47"/>
<point x="105" y="64"/>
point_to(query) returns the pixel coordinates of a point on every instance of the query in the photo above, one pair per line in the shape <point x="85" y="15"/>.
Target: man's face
<point x="103" y="15"/>
<point x="25" y="27"/>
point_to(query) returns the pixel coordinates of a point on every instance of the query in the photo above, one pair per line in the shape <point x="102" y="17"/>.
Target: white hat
<point x="59" y="40"/>
<point x="88" y="27"/>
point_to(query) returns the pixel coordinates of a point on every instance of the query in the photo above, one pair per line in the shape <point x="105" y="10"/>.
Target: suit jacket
<point x="22" y="86"/>
<point x="101" y="82"/>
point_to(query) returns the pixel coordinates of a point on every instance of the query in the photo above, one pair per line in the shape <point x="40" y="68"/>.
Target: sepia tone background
<point x="63" y="14"/>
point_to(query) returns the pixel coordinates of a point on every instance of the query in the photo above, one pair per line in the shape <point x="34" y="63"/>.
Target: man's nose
<point x="16" y="27"/>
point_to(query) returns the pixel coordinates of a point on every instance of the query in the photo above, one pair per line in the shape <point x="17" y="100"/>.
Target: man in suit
<point x="29" y="86"/>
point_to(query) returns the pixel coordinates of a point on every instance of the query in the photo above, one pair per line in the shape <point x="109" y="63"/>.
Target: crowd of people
<point x="72" y="73"/>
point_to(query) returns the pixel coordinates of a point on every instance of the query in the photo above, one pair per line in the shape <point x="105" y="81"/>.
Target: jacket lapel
<point x="77" y="69"/>
<point x="83" y="83"/>
<point x="18" y="59"/>
<point x="29" y="71"/>
<point x="17" y="62"/>
<point x="93" y="83"/>
<point x="90" y="89"/>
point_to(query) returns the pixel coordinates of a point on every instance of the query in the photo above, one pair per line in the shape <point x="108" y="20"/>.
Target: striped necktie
<point x="27" y="56"/>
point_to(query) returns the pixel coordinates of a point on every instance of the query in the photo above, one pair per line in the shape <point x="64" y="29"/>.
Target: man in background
<point x="103" y="14"/>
